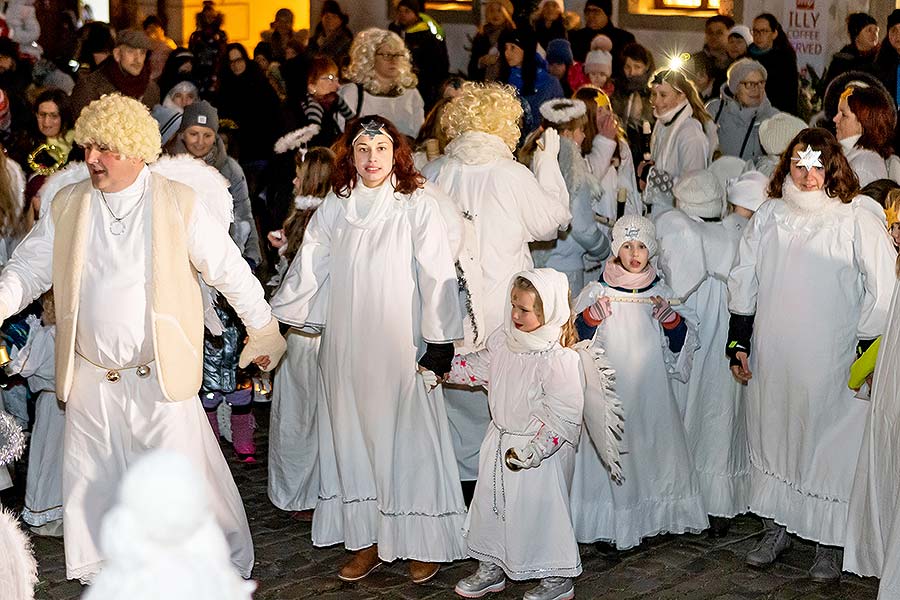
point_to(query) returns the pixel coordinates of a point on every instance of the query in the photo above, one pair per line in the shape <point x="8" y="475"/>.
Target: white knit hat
<point x="699" y="194"/>
<point x="598" y="57"/>
<point x="742" y="31"/>
<point x="634" y="227"/>
<point x="741" y="69"/>
<point x="776" y="132"/>
<point x="748" y="190"/>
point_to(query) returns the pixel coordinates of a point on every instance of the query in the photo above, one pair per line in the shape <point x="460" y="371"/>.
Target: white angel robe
<point x="504" y="207"/>
<point x="108" y="425"/>
<point x="43" y="487"/>
<point x="660" y="493"/>
<point x="695" y="258"/>
<point x="873" y="536"/>
<point x="406" y="111"/>
<point x="817" y="274"/>
<point x="519" y="520"/>
<point x="867" y="164"/>
<point x="617" y="179"/>
<point x="293" y="434"/>
<point x="375" y="273"/>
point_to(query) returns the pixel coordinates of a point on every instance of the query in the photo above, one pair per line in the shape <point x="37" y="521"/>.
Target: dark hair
<point x="638" y="53"/>
<point x="152" y="20"/>
<point x="832" y="96"/>
<point x="524" y="39"/>
<point x="700" y="63"/>
<point x="877" y="115"/>
<point x="840" y="180"/>
<point x="318" y="66"/>
<point x="406" y="178"/>
<point x="781" y="42"/>
<point x="725" y="20"/>
<point x="879" y="189"/>
<point x="314" y="172"/>
<point x="263" y="49"/>
<point x="61" y="99"/>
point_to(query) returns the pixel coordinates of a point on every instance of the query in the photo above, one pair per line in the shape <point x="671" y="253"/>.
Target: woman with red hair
<point x="865" y="122"/>
<point x="375" y="274"/>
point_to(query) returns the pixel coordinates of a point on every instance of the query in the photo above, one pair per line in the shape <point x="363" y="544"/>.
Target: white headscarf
<point x="553" y="288"/>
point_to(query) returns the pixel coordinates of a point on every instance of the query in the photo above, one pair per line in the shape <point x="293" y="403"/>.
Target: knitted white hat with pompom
<point x="699" y="194"/>
<point x="749" y="190"/>
<point x="776" y="132"/>
<point x="634" y="228"/>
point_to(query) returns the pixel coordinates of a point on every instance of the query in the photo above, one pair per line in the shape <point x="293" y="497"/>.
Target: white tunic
<point x="108" y="425"/>
<point x="293" y="434"/>
<point x="376" y="272"/>
<point x="406" y="111"/>
<point x="520" y="520"/>
<point x="505" y="207"/>
<point x="873" y="537"/>
<point x="817" y="274"/>
<point x="661" y="492"/>
<point x="615" y="180"/>
<point x="696" y="258"/>
<point x="867" y="164"/>
<point x="43" y="488"/>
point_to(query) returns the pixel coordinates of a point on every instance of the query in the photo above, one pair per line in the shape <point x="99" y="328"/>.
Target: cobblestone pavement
<point x="666" y="567"/>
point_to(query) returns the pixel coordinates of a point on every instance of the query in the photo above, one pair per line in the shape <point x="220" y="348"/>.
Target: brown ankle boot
<point x="420" y="572"/>
<point x="363" y="562"/>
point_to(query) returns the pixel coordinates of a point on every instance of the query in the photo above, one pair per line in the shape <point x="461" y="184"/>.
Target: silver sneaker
<point x="827" y="566"/>
<point x="552" y="588"/>
<point x="488" y="578"/>
<point x="771" y="546"/>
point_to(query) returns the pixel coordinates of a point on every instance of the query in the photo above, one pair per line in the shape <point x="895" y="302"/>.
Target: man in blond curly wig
<point x="505" y="207"/>
<point x="123" y="249"/>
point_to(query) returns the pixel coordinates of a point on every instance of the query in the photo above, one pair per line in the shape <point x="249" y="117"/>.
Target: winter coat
<point x="97" y="83"/>
<point x="482" y="44"/>
<point x="849" y="58"/>
<point x="430" y="59"/>
<point x="783" y="80"/>
<point x="888" y="64"/>
<point x="251" y="102"/>
<point x="546" y="87"/>
<point x="581" y="43"/>
<point x="739" y="125"/>
<point x="221" y="352"/>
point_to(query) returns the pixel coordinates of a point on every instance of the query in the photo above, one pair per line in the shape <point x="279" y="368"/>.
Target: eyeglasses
<point x="760" y="31"/>
<point x="389" y="56"/>
<point x="753" y="85"/>
<point x="329" y="77"/>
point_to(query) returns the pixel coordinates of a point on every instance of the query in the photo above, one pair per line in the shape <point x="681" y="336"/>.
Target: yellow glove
<point x="864" y="365"/>
<point x="264" y="342"/>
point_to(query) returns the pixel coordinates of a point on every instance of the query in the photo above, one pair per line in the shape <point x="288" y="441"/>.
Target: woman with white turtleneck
<point x="865" y="122"/>
<point x="683" y="139"/>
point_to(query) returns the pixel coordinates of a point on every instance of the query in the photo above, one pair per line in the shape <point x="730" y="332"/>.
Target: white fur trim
<point x="296" y="139"/>
<point x="307" y="202"/>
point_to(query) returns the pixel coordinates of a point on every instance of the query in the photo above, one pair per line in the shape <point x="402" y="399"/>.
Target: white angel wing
<point x="74" y="172"/>
<point x="209" y="185"/>
<point x="604" y="416"/>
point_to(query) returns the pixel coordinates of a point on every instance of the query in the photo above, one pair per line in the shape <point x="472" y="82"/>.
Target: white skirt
<point x="293" y="434"/>
<point x="44" y="488"/>
<point x="108" y="426"/>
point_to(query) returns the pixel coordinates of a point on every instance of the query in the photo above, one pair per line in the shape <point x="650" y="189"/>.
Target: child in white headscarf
<point x="518" y="524"/>
<point x="647" y="342"/>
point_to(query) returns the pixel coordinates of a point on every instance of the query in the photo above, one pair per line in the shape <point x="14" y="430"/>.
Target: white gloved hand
<point x="430" y="380"/>
<point x="528" y="457"/>
<point x="265" y="347"/>
<point x="550" y="141"/>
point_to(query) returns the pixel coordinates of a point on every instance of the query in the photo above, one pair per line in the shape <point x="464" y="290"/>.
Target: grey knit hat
<point x="740" y="69"/>
<point x="200" y="113"/>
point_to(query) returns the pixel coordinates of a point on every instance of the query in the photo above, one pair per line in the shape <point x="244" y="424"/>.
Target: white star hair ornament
<point x="371" y="129"/>
<point x="808" y="159"/>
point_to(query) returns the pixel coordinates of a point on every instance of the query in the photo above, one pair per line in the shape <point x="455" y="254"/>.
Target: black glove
<point x="437" y="358"/>
<point x="740" y="330"/>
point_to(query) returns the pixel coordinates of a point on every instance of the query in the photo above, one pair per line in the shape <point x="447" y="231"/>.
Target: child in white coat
<point x="519" y="524"/>
<point x="647" y="342"/>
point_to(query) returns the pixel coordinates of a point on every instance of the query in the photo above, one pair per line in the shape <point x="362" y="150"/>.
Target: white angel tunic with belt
<point x="520" y="520"/>
<point x="660" y="492"/>
<point x="818" y="275"/>
<point x="375" y="272"/>
<point x="109" y="424"/>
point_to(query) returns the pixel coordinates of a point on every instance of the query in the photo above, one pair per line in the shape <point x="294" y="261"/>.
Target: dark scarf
<point x="128" y="84"/>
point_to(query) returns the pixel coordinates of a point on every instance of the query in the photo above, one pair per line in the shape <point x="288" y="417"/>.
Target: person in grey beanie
<point x="740" y="108"/>
<point x="199" y="137"/>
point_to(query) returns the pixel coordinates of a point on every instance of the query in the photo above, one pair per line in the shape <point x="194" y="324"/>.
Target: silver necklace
<point x="117" y="227"/>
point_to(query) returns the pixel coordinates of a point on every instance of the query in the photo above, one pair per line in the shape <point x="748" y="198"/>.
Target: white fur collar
<point x="805" y="202"/>
<point x="477" y="148"/>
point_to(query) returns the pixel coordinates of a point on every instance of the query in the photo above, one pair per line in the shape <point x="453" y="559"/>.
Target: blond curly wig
<point x="121" y="124"/>
<point x="362" y="61"/>
<point x="488" y="107"/>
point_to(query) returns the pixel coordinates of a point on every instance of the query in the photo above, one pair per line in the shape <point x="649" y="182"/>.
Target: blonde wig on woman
<point x="487" y="107"/>
<point x="362" y="61"/>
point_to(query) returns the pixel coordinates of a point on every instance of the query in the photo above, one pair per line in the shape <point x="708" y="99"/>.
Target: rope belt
<point x="114" y="375"/>
<point x="498" y="466"/>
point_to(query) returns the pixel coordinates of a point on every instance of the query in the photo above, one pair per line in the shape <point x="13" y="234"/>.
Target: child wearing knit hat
<point x="628" y="314"/>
